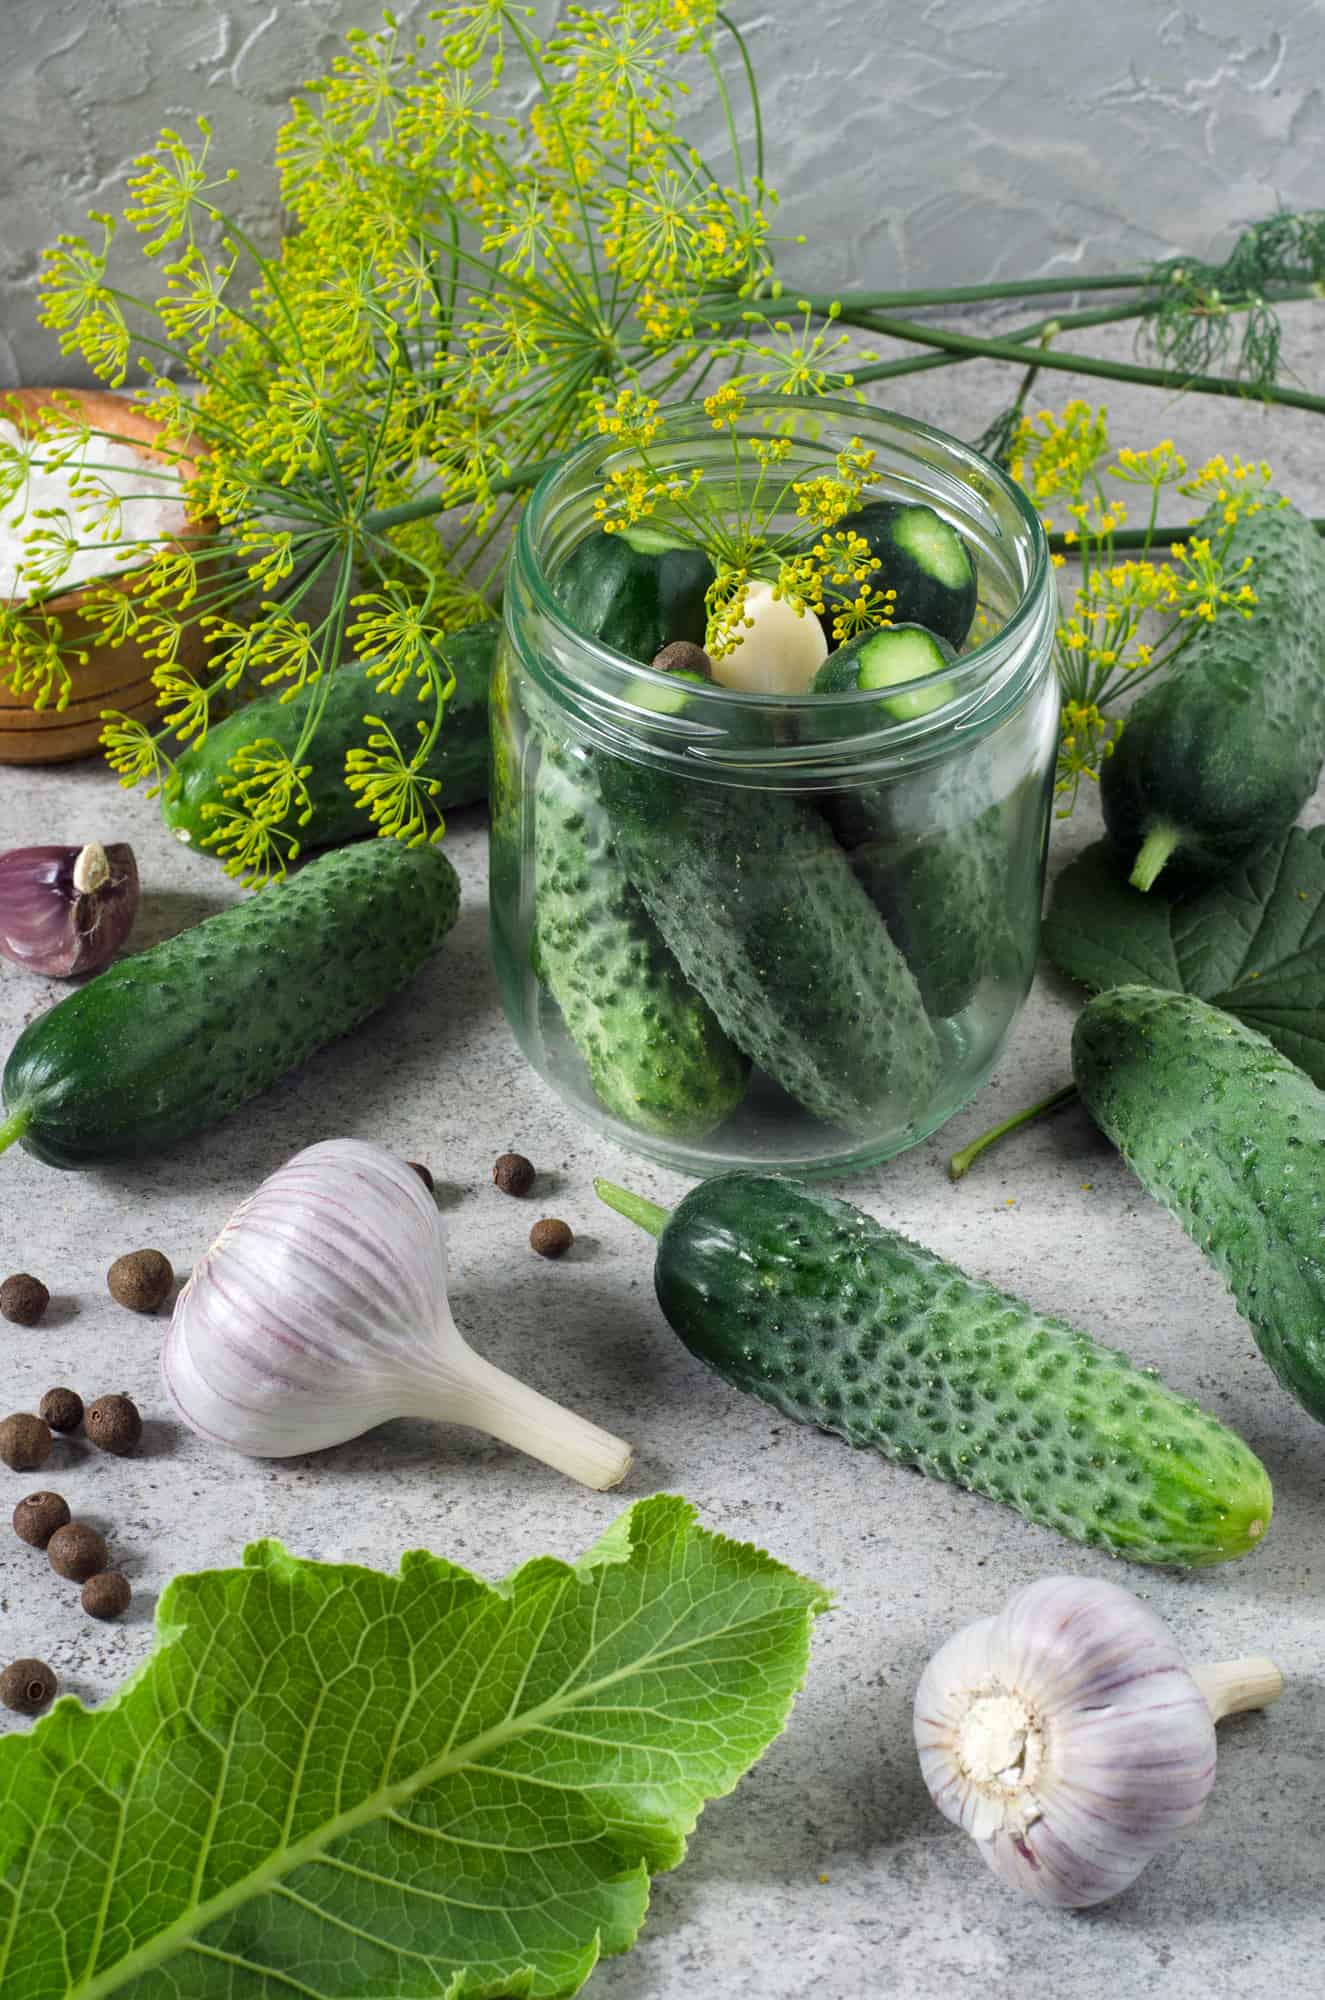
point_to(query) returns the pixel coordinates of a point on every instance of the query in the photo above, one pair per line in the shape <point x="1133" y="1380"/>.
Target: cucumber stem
<point x="1231" y="1687"/>
<point x="633" y="1206"/>
<point x="14" y="1127"/>
<point x="1156" y="848"/>
<point x="966" y="1158"/>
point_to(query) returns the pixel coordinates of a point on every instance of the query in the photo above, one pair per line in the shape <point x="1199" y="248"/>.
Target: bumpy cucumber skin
<point x="655" y="1053"/>
<point x="1230" y="1136"/>
<point x="921" y="599"/>
<point x="164" y="1044"/>
<point x="942" y="899"/>
<point x="636" y="603"/>
<point x="805" y="1302"/>
<point x="1227" y="750"/>
<point x="459" y="757"/>
<point x="761" y="910"/>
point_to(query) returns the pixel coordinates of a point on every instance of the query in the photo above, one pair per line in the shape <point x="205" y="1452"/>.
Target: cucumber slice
<point x="921" y="557"/>
<point x="889" y="657"/>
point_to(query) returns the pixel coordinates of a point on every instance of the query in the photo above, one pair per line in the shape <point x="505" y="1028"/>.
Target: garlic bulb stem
<point x="486" y="1398"/>
<point x="1232" y="1687"/>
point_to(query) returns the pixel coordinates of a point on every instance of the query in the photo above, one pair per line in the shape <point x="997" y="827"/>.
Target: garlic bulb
<point x="780" y="650"/>
<point x="321" y="1311"/>
<point x="1068" y="1738"/>
<point x="66" y="910"/>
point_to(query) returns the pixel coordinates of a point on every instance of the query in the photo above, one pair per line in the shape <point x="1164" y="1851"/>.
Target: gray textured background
<point x="949" y="141"/>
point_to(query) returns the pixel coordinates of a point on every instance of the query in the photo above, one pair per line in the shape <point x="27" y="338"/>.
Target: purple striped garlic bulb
<point x="1069" y="1739"/>
<point x="321" y="1311"/>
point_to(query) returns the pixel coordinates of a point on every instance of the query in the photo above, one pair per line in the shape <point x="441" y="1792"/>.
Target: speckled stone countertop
<point x="828" y="1872"/>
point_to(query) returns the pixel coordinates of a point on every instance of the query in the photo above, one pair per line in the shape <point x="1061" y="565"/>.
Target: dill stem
<point x="962" y="1161"/>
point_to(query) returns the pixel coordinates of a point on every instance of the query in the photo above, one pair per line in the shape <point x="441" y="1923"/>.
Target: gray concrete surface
<point x="828" y="1872"/>
<point x="936" y="144"/>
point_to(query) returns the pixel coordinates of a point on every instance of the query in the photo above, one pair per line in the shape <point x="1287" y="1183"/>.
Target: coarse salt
<point x="150" y="510"/>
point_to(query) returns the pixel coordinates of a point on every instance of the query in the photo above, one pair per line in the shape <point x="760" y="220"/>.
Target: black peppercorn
<point x="25" y="1442"/>
<point x="423" y="1175"/>
<point x="62" y="1409"/>
<point x="113" y="1423"/>
<point x="551" y="1237"/>
<point x="28" y="1686"/>
<point x="513" y="1173"/>
<point x="140" y="1280"/>
<point x="107" y="1595"/>
<point x="37" y="1518"/>
<point x="683" y="657"/>
<point x="77" y="1551"/>
<point x="23" y="1299"/>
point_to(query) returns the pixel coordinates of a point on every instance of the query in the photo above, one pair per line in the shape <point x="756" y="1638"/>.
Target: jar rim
<point x="985" y="681"/>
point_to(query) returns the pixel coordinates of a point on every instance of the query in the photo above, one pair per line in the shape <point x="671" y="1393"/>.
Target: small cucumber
<point x="459" y="758"/>
<point x="886" y="658"/>
<point x="165" y="1044"/>
<point x="1223" y="753"/>
<point x="1230" y="1136"/>
<point x="924" y="559"/>
<point x="943" y="898"/>
<point x="634" y="600"/>
<point x="655" y="1053"/>
<point x="758" y="904"/>
<point x="810" y="1305"/>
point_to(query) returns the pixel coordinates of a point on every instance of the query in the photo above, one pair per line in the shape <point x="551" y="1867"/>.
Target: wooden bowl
<point x="118" y="677"/>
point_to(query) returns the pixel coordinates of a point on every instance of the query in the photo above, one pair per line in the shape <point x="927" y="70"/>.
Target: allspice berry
<point x="25" y="1442"/>
<point x="62" y="1409"/>
<point x="113" y="1423"/>
<point x="107" y="1595"/>
<point x="23" y="1299"/>
<point x="28" y="1686"/>
<point x="141" y="1280"/>
<point x="513" y="1173"/>
<point x="683" y="656"/>
<point x="77" y="1551"/>
<point x="551" y="1237"/>
<point x="423" y="1175"/>
<point x="37" y="1518"/>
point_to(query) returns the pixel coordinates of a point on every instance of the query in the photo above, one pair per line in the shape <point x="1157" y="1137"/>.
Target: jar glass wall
<point x="750" y="929"/>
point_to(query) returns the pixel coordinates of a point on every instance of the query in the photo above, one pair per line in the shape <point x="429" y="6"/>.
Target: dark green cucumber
<point x="634" y="600"/>
<point x="805" y="1302"/>
<point x="1230" y="1136"/>
<point x="459" y="758"/>
<point x="885" y="658"/>
<point x="165" y="1044"/>
<point x="943" y="898"/>
<point x="761" y="910"/>
<point x="655" y="1053"/>
<point x="922" y="558"/>
<point x="1222" y="754"/>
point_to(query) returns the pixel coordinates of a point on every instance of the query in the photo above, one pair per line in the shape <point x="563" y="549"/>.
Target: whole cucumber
<point x="655" y="1053"/>
<point x="459" y="757"/>
<point x="1224" y="752"/>
<point x="1229" y="1135"/>
<point x="760" y="908"/>
<point x="164" y="1044"/>
<point x="813" y="1307"/>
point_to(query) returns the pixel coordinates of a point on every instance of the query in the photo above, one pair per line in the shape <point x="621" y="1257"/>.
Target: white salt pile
<point x="150" y="510"/>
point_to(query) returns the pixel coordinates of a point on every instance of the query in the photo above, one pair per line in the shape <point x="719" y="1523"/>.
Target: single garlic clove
<point x="66" y="910"/>
<point x="780" y="650"/>
<point x="1068" y="1737"/>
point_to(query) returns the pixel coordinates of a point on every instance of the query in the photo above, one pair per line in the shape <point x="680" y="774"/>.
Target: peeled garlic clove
<point x="66" y="910"/>
<point x="780" y="650"/>
<point x="1067" y="1736"/>
<point x="321" y="1311"/>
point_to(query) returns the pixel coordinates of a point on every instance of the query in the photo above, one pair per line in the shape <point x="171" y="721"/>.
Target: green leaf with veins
<point x="1254" y="944"/>
<point x="337" y="1784"/>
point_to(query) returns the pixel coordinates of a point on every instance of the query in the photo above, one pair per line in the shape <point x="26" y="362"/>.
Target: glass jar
<point x="741" y="929"/>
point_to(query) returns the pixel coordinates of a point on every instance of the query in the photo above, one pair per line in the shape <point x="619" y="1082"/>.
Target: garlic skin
<point x="320" y="1311"/>
<point x="66" y="910"/>
<point x="779" y="652"/>
<point x="1069" y="1739"/>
